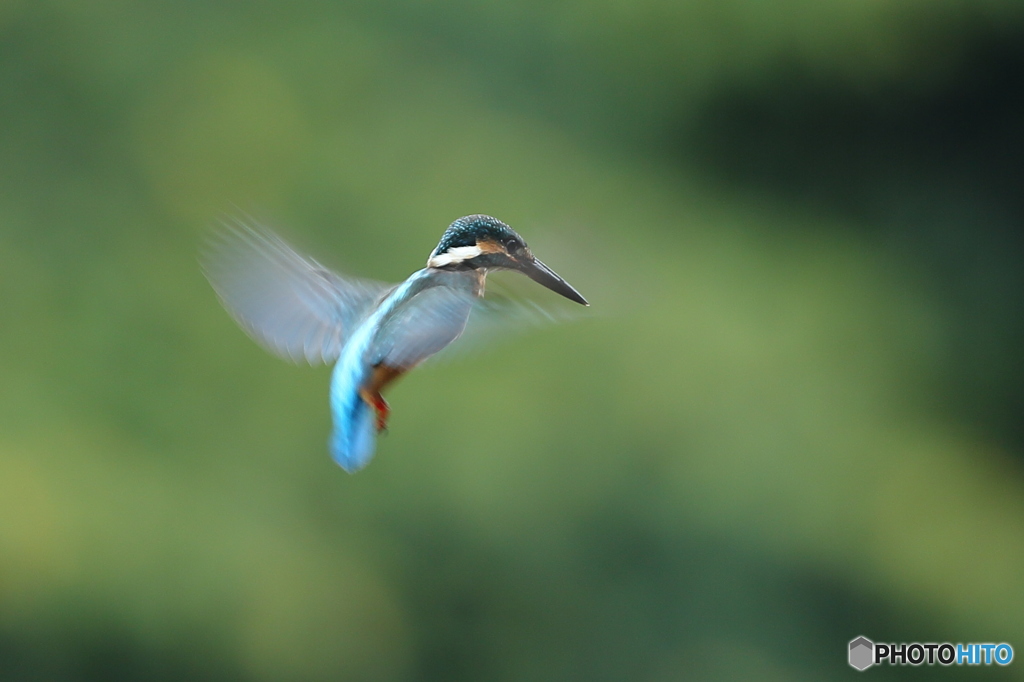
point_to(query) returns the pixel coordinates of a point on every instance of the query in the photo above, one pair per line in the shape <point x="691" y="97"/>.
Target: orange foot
<point x="380" y="406"/>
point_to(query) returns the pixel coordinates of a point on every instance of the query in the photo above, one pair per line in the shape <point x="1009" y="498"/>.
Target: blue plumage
<point x="299" y="309"/>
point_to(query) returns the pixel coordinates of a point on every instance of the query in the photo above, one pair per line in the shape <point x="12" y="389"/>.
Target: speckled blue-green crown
<point x="470" y="229"/>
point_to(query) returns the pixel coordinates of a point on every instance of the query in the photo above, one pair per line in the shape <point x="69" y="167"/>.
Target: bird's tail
<point x="355" y="435"/>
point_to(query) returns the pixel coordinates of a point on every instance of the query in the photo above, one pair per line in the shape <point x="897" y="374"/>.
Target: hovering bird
<point x="374" y="332"/>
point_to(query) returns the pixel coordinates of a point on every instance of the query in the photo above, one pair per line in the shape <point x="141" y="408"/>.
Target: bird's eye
<point x="513" y="247"/>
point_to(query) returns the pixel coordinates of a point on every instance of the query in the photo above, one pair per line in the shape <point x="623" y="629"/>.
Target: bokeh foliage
<point x="793" y="417"/>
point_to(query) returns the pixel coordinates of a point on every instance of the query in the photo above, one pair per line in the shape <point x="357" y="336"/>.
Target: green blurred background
<point x="795" y="416"/>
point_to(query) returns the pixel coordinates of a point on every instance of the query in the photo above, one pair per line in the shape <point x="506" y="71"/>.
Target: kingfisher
<point x="373" y="332"/>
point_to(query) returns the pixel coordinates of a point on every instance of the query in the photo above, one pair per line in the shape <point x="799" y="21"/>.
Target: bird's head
<point x="480" y="242"/>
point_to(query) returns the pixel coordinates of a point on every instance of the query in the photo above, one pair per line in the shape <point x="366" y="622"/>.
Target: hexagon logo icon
<point x="862" y="653"/>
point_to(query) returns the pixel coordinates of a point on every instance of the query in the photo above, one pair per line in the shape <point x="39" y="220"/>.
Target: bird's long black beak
<point x="542" y="274"/>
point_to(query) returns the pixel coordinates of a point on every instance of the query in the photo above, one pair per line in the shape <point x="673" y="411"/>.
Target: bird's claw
<point x="383" y="410"/>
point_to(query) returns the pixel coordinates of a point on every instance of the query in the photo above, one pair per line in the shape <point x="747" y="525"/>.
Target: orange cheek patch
<point x="490" y="247"/>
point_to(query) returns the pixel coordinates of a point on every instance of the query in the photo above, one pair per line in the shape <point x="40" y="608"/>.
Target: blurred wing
<point x="424" y="325"/>
<point x="512" y="305"/>
<point x="290" y="304"/>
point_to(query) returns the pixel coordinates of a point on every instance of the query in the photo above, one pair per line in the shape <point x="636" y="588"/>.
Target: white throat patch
<point x="453" y="255"/>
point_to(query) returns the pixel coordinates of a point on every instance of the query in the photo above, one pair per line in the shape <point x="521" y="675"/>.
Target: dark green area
<point x="792" y="418"/>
